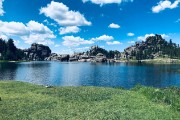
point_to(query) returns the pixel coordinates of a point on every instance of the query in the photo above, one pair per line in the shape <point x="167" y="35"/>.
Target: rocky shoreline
<point x="38" y="52"/>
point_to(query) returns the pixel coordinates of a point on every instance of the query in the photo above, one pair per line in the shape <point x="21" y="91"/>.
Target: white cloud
<point x="48" y="23"/>
<point x="13" y="28"/>
<point x="39" y="33"/>
<point x="103" y="38"/>
<point x="1" y="8"/>
<point x="103" y="2"/>
<point x="4" y="37"/>
<point x="72" y="41"/>
<point x="81" y="49"/>
<point x="143" y="38"/>
<point x="162" y="5"/>
<point x="36" y="27"/>
<point x="69" y="29"/>
<point x="164" y="36"/>
<point x="16" y="42"/>
<point x="31" y="32"/>
<point x="63" y="16"/>
<point x="113" y="25"/>
<point x="114" y="43"/>
<point x="38" y="38"/>
<point x="130" y="34"/>
<point x="178" y="20"/>
<point x="57" y="45"/>
<point x="131" y="42"/>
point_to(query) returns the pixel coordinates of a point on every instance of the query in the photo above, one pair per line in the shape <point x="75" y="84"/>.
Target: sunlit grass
<point x="26" y="101"/>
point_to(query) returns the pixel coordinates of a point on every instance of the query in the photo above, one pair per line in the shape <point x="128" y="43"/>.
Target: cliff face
<point x="37" y="52"/>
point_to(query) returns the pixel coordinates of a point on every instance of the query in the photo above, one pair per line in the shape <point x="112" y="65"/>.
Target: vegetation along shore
<point x="154" y="49"/>
<point x="20" y="100"/>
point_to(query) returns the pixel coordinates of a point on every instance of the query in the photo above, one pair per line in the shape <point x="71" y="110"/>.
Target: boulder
<point x="100" y="58"/>
<point x="58" y="57"/>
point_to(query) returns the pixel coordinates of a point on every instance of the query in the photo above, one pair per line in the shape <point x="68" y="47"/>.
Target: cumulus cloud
<point x="103" y="38"/>
<point x="131" y="42"/>
<point x="113" y="25"/>
<point x="143" y="38"/>
<point x="114" y="43"/>
<point x="38" y="28"/>
<point x="38" y="33"/>
<point x="30" y="33"/>
<point x="38" y="38"/>
<point x="130" y="34"/>
<point x="72" y="41"/>
<point x="162" y="5"/>
<point x="13" y="28"/>
<point x="103" y="2"/>
<point x="63" y="16"/>
<point x="1" y="8"/>
<point x="69" y="29"/>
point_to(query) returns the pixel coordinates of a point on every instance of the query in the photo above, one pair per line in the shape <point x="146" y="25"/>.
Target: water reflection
<point x="91" y="74"/>
<point x="8" y="71"/>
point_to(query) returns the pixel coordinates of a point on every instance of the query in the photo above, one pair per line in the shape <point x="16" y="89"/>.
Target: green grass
<point x="24" y="101"/>
<point x="162" y="61"/>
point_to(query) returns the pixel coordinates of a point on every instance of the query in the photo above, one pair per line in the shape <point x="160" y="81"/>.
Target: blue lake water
<point x="91" y="74"/>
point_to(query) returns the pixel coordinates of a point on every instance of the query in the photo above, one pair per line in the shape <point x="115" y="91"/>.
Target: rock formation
<point x="37" y="52"/>
<point x="100" y="58"/>
<point x="55" y="57"/>
<point x="150" y="47"/>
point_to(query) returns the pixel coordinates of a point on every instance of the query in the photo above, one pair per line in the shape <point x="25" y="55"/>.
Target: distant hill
<point x="153" y="47"/>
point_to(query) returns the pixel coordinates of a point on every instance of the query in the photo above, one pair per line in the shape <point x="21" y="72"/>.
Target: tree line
<point x="109" y="54"/>
<point x="164" y="50"/>
<point x="8" y="50"/>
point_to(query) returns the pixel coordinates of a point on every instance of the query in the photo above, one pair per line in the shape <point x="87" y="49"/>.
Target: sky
<point x="69" y="26"/>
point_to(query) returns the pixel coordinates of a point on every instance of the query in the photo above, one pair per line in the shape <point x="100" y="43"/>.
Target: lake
<point x="125" y="75"/>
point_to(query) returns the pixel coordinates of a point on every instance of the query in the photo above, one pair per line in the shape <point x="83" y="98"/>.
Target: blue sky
<point x="68" y="26"/>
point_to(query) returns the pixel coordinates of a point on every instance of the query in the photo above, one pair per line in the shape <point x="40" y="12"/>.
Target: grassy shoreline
<point x="21" y="100"/>
<point x="154" y="61"/>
